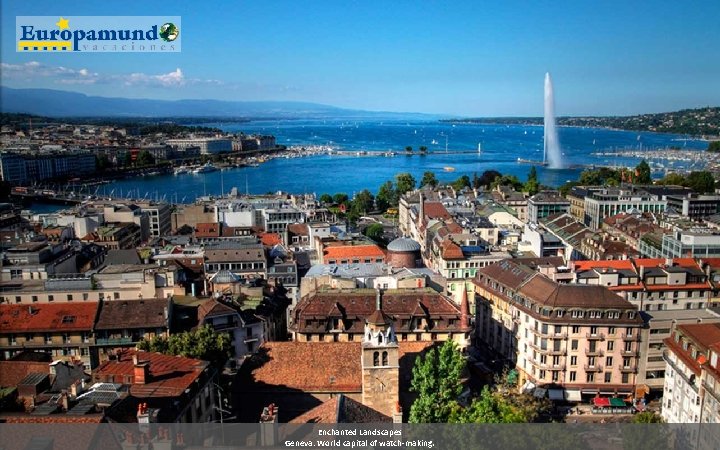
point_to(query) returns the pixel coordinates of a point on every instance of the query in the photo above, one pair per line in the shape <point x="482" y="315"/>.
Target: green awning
<point x="512" y="377"/>
<point x="617" y="402"/>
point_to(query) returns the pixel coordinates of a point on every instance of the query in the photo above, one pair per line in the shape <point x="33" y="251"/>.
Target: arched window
<point x="380" y="338"/>
<point x="384" y="358"/>
<point x="376" y="359"/>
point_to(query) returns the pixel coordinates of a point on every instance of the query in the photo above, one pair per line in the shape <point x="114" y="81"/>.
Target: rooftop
<point x="59" y="317"/>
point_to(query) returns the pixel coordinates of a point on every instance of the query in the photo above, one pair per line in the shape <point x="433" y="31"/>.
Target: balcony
<point x="595" y="352"/>
<point x="595" y="336"/>
<point x="224" y="326"/>
<point x="252" y="338"/>
<point x="634" y="353"/>
<point x="550" y="334"/>
<point x="548" y="366"/>
<point x="114" y="341"/>
<point x="631" y="337"/>
<point x="595" y="368"/>
<point x="628" y="369"/>
<point x="552" y="351"/>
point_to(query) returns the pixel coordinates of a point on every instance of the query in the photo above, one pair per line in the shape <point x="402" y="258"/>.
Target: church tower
<point x="380" y="362"/>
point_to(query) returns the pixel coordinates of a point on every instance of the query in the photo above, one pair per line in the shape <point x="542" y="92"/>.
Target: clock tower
<point x="380" y="362"/>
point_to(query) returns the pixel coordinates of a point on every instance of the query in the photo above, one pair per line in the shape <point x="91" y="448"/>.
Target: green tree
<point x="387" y="196"/>
<point x="461" y="183"/>
<point x="642" y="173"/>
<point x="201" y="343"/>
<point x="405" y="183"/>
<point x="508" y="180"/>
<point x="532" y="186"/>
<point x="714" y="146"/>
<point x="127" y="159"/>
<point x="423" y="150"/>
<point x="375" y="232"/>
<point x="144" y="158"/>
<point x="490" y="407"/>
<point x="429" y="179"/>
<point x="326" y="199"/>
<point x="363" y="202"/>
<point x="436" y="380"/>
<point x="488" y="177"/>
<point x="674" y="179"/>
<point x="340" y="198"/>
<point x="701" y="182"/>
<point x="647" y="417"/>
<point x="408" y="150"/>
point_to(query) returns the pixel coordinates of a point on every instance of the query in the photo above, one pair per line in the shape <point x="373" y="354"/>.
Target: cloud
<point x="65" y="75"/>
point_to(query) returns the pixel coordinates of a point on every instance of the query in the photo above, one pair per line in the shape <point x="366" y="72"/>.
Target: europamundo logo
<point x="98" y="34"/>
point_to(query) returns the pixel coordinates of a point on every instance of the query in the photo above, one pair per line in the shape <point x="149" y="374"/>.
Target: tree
<point x="363" y="202"/>
<point x="127" y="159"/>
<point x="674" y="179"/>
<point x="642" y="173"/>
<point x="429" y="179"/>
<point x="144" y="158"/>
<point x="490" y="407"/>
<point x="202" y="343"/>
<point x="326" y="199"/>
<point x="408" y="150"/>
<point x="647" y="417"/>
<point x="488" y="177"/>
<point x="508" y="180"/>
<point x="386" y="196"/>
<point x="102" y="162"/>
<point x="461" y="183"/>
<point x="340" y="198"/>
<point x="375" y="232"/>
<point x="701" y="182"/>
<point x="436" y="380"/>
<point x="423" y="150"/>
<point x="405" y="183"/>
<point x="532" y="186"/>
<point x="714" y="146"/>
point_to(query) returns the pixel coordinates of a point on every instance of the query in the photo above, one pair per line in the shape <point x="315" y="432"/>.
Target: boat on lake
<point x="207" y="167"/>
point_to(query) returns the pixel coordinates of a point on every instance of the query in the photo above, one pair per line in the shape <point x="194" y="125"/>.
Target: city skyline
<point x="467" y="60"/>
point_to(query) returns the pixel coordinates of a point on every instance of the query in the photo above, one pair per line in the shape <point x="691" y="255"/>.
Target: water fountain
<point x="551" y="145"/>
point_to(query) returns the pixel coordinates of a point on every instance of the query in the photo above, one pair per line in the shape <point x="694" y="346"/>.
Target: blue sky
<point x="467" y="58"/>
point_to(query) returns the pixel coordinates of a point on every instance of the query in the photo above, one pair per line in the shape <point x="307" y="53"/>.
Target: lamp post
<point x="446" y="141"/>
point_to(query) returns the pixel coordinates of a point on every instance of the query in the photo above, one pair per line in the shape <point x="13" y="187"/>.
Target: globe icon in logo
<point x="169" y="32"/>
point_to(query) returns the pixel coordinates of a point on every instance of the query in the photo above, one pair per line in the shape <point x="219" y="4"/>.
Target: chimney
<point x="269" y="426"/>
<point x="64" y="401"/>
<point x="141" y="370"/>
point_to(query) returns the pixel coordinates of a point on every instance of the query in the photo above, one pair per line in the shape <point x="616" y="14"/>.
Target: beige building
<point x="584" y="339"/>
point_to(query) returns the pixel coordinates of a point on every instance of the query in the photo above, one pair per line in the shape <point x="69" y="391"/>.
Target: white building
<point x="692" y="375"/>
<point x="206" y="145"/>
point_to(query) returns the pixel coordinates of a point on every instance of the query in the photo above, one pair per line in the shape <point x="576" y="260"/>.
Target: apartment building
<point x="585" y="339"/>
<point x="692" y="382"/>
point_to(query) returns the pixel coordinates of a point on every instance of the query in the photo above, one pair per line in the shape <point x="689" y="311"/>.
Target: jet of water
<point x="551" y="154"/>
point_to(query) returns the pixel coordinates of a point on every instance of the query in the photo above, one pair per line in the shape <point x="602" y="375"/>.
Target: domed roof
<point x="402" y="244"/>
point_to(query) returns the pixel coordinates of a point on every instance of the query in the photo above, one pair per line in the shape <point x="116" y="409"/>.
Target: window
<point x="384" y="358"/>
<point x="608" y="377"/>
<point x="625" y="378"/>
<point x="51" y="298"/>
<point x="376" y="359"/>
<point x="576" y="329"/>
<point x="593" y="330"/>
<point x="573" y="376"/>
<point x="34" y="298"/>
<point x="574" y="344"/>
<point x="69" y="297"/>
<point x="611" y="330"/>
<point x="85" y="296"/>
<point x="611" y="346"/>
<point x="590" y="376"/>
<point x="116" y="295"/>
<point x="573" y="360"/>
<point x="609" y="361"/>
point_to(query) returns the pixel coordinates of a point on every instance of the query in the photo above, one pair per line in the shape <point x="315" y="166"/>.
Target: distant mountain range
<point x="54" y="103"/>
<point x="694" y="122"/>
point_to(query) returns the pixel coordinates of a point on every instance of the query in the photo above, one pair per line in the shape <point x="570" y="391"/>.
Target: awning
<point x="540" y="392"/>
<point x="556" y="394"/>
<point x="528" y="387"/>
<point x="617" y="402"/>
<point x="512" y="377"/>
<point x="601" y="401"/>
<point x="573" y="396"/>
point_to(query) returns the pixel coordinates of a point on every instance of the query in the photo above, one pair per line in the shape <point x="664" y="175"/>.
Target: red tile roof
<point x="269" y="239"/>
<point x="451" y="250"/>
<point x="207" y="229"/>
<point x="322" y="367"/>
<point x="348" y="252"/>
<point x="169" y="375"/>
<point x="12" y="372"/>
<point x="58" y="317"/>
<point x="435" y="210"/>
